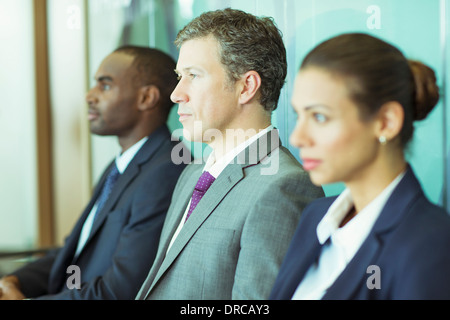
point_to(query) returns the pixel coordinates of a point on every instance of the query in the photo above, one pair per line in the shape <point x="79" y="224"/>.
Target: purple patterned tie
<point x="205" y="181"/>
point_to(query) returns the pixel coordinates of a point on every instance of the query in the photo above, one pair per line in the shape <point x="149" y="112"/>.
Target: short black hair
<point x="154" y="67"/>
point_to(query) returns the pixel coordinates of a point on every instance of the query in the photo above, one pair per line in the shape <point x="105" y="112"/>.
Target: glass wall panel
<point x="18" y="204"/>
<point x="111" y="24"/>
<point x="395" y="22"/>
<point x="70" y="134"/>
<point x="304" y="24"/>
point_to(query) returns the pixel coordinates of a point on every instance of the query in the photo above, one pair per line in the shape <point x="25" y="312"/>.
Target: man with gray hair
<point x="231" y="219"/>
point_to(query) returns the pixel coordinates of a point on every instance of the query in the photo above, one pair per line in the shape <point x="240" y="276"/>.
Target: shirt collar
<point x="215" y="168"/>
<point x="360" y="225"/>
<point x="124" y="159"/>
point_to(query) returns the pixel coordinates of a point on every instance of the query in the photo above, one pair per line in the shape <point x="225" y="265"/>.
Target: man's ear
<point x="390" y="120"/>
<point x="251" y="82"/>
<point x="148" y="97"/>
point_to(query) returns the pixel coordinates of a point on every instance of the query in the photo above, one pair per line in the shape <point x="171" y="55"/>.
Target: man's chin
<point x="99" y="132"/>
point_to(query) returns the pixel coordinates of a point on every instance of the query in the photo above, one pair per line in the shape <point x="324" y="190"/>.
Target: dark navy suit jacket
<point x="125" y="235"/>
<point x="409" y="243"/>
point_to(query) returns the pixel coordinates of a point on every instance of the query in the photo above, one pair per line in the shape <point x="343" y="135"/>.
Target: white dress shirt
<point x="122" y="162"/>
<point x="215" y="168"/>
<point x="344" y="242"/>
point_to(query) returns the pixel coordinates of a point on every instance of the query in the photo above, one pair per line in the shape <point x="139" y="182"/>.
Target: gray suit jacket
<point x="234" y="242"/>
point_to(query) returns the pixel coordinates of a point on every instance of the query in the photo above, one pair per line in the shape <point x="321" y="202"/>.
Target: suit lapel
<point x="224" y="183"/>
<point x="218" y="190"/>
<point x="124" y="180"/>
<point x="259" y="150"/>
<point x="66" y="255"/>
<point x="183" y="196"/>
<point x="297" y="267"/>
<point x="355" y="274"/>
<point x="150" y="148"/>
<point x="303" y="251"/>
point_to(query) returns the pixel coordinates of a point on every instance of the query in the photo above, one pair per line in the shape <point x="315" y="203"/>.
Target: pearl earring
<point x="382" y="140"/>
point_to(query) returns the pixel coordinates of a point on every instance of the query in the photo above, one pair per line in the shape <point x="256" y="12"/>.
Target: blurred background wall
<point x="50" y="50"/>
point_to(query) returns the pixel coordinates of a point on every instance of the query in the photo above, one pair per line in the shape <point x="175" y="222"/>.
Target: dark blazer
<point x="125" y="235"/>
<point x="410" y="243"/>
<point x="234" y="242"/>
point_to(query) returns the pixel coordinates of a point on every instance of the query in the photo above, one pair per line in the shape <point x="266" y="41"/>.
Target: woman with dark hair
<point x="356" y="98"/>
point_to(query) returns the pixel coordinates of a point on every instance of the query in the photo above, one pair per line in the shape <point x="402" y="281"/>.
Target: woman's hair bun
<point x="426" y="90"/>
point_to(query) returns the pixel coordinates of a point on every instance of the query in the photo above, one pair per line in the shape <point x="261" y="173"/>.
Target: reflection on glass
<point x="304" y="24"/>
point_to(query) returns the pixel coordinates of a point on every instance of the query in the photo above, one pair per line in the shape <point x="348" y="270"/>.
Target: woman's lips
<point x="184" y="116"/>
<point x="311" y="164"/>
